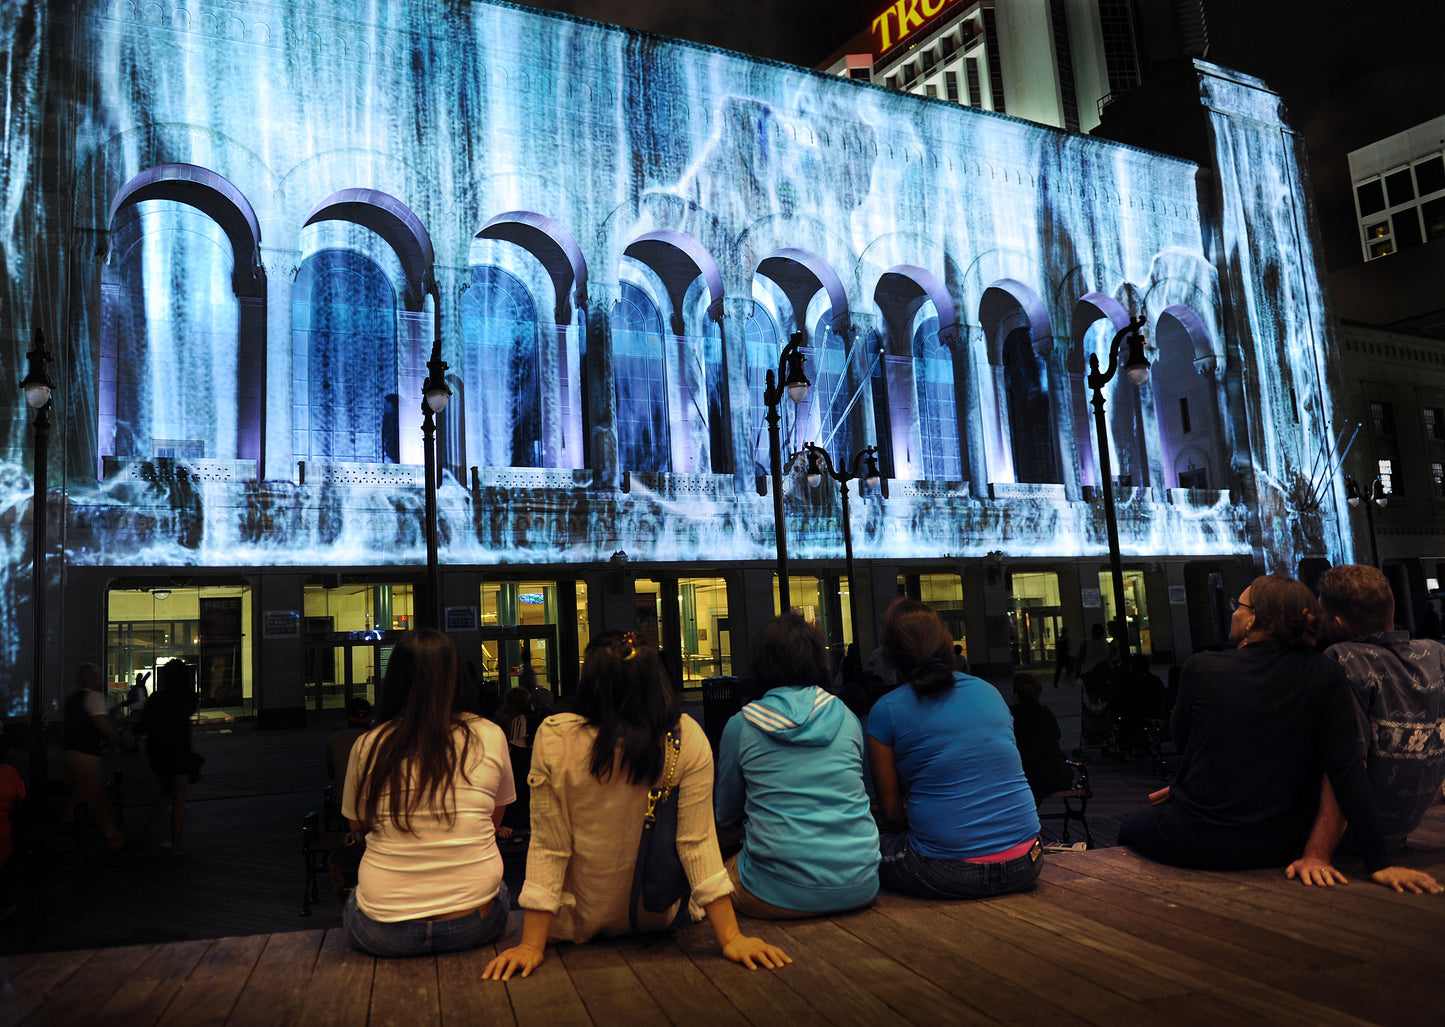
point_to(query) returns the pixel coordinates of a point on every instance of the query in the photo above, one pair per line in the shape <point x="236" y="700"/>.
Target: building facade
<point x="244" y="226"/>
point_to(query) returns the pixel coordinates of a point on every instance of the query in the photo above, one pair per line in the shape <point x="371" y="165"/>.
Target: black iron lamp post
<point x="1380" y="497"/>
<point x="38" y="390"/>
<point x="1136" y="366"/>
<point x="795" y="382"/>
<point x="820" y="463"/>
<point x="434" y="396"/>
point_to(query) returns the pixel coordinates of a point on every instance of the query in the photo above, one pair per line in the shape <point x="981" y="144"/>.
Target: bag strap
<point x="672" y="750"/>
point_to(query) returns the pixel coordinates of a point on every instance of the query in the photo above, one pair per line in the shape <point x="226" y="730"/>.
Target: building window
<point x="1387" y="476"/>
<point x="1184" y="425"/>
<point x="950" y="82"/>
<point x="1402" y="208"/>
<point x="1382" y="416"/>
<point x="1434" y="418"/>
<point x="1194" y="478"/>
<point x="1437" y="476"/>
<point x="975" y="86"/>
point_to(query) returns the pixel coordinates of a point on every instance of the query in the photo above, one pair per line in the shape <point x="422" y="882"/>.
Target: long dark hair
<point x="624" y="693"/>
<point x="788" y="651"/>
<point x="919" y="646"/>
<point x="413" y="762"/>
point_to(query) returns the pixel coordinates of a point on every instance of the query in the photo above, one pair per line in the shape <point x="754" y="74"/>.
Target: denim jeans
<point x="905" y="871"/>
<point x="424" y="937"/>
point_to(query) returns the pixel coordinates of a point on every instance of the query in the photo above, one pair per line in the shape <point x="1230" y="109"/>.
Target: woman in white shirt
<point x="429" y="785"/>
<point x="591" y="771"/>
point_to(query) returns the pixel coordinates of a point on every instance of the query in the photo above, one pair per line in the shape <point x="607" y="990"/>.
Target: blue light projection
<point x="263" y="215"/>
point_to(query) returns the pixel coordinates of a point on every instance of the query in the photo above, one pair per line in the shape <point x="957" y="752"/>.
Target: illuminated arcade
<point x="250" y="224"/>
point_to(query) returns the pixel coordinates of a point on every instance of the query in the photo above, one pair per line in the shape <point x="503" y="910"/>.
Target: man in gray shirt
<point x="1399" y="690"/>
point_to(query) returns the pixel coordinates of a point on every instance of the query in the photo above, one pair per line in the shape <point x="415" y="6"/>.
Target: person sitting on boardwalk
<point x="1037" y="733"/>
<point x="946" y="744"/>
<point x="591" y="771"/>
<point x="1257" y="726"/>
<point x="1399" y="690"/>
<point x="429" y="785"/>
<point x="790" y="766"/>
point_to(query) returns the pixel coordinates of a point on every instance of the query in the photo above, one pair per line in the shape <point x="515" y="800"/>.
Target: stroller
<point x="1099" y="720"/>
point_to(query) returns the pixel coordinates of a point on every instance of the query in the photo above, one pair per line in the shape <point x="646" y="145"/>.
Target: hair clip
<point x="630" y="640"/>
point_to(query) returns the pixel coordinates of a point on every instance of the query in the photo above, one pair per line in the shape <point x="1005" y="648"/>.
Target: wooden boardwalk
<point x="1105" y="938"/>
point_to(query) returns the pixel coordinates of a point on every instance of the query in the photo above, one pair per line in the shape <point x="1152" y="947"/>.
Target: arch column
<point x="601" y="396"/>
<point x="278" y="456"/>
<point x="736" y="311"/>
<point x="1062" y="392"/>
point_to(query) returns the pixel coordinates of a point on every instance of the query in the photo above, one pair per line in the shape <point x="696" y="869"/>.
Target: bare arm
<point x="1314" y="867"/>
<point x="737" y="946"/>
<point x="886" y="786"/>
<point x="527" y="954"/>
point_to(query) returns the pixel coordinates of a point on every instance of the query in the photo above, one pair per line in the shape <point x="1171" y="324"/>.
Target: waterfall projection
<point x="260" y="216"/>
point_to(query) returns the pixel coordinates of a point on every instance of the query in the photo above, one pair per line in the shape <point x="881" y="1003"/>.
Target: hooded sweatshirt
<point x="791" y="766"/>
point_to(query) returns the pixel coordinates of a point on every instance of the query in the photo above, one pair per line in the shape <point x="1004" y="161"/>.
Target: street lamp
<point x="1378" y="497"/>
<point x="434" y="396"/>
<point x="818" y="463"/>
<point x="1136" y="366"/>
<point x="38" y="389"/>
<point x="795" y="382"/>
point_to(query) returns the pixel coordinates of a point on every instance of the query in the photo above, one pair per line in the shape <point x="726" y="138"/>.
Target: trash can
<point x="722" y="696"/>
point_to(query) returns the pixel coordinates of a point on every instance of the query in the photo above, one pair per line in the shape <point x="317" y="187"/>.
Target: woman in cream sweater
<point x="590" y="774"/>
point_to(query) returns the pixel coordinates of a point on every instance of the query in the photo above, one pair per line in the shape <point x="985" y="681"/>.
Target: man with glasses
<point x="1398" y="684"/>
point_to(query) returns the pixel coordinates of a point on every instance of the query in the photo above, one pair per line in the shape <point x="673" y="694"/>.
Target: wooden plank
<point x="405" y="992"/>
<point x="851" y="982"/>
<point x="12" y="964"/>
<point x="1192" y="974"/>
<point x="467" y="999"/>
<point x="965" y="979"/>
<point x="762" y="997"/>
<point x="608" y="987"/>
<point x="209" y="993"/>
<point x="339" y="991"/>
<point x="685" y="994"/>
<point x="276" y="989"/>
<point x="1070" y="987"/>
<point x="143" y="998"/>
<point x="80" y="1000"/>
<point x="40" y="979"/>
<point x="548" y="997"/>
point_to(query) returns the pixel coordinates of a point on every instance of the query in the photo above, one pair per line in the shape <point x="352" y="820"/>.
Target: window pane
<point x="1407" y="228"/>
<point x="1381" y="249"/>
<point x="1400" y="186"/>
<point x="1371" y="196"/>
<point x="1434" y="212"/>
<point x="1378" y="230"/>
<point x="1430" y="175"/>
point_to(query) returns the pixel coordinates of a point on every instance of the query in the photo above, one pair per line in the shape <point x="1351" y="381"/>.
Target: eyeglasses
<point x="1235" y="604"/>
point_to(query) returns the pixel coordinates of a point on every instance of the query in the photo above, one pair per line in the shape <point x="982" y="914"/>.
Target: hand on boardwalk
<point x="522" y="957"/>
<point x="1403" y="879"/>
<point x="754" y="952"/>
<point x="1310" y="870"/>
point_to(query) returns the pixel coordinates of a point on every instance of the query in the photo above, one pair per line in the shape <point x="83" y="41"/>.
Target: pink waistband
<point x="1012" y="852"/>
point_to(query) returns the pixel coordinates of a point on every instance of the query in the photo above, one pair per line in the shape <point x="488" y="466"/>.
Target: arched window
<point x="638" y="371"/>
<point x="833" y="402"/>
<point x="1030" y="427"/>
<point x="169" y="357"/>
<point x="937" y="404"/>
<point x="345" y="325"/>
<point x="764" y="344"/>
<point x="500" y="348"/>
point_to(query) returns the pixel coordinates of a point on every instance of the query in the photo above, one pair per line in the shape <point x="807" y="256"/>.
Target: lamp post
<point x="795" y="381"/>
<point x="38" y="390"/>
<point x="1378" y="497"/>
<point x="1137" y="368"/>
<point x="818" y="463"/>
<point x="434" y="396"/>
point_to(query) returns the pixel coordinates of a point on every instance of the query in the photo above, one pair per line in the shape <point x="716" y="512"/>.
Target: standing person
<point x="1063" y="657"/>
<point x="945" y="743"/>
<point x="429" y="784"/>
<point x="1094" y="655"/>
<point x="88" y="731"/>
<point x="518" y="724"/>
<point x="168" y="743"/>
<point x="591" y="771"/>
<point x="338" y="746"/>
<point x="1398" y="685"/>
<point x="1257" y="727"/>
<point x="790" y="768"/>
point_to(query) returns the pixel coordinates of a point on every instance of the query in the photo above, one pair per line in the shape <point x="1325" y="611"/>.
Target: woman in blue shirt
<point x="945" y="744"/>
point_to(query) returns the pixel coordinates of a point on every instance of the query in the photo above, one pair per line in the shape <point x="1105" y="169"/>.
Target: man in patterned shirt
<point x="1399" y="689"/>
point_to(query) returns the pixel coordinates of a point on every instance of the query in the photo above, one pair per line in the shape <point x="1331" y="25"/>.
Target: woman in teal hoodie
<point x="790" y="771"/>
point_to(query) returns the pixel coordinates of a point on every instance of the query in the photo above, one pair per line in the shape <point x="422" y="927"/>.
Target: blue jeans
<point x="905" y="871"/>
<point x="424" y="937"/>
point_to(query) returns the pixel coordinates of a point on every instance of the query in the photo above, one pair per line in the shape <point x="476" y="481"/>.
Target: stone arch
<point x="395" y="223"/>
<point x="554" y="246"/>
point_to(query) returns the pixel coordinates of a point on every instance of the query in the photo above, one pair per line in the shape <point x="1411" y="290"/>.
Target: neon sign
<point x="902" y="19"/>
